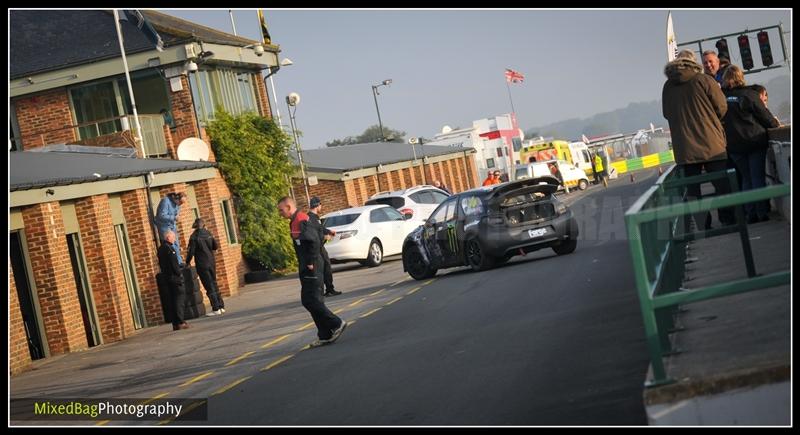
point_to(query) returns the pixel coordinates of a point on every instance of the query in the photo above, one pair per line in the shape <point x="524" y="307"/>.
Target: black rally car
<point x="487" y="226"/>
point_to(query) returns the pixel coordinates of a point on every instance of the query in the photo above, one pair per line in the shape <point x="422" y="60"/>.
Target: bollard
<point x="633" y="179"/>
<point x="660" y="170"/>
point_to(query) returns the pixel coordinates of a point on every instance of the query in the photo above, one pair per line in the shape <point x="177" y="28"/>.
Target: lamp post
<point x="375" y="94"/>
<point x="292" y="100"/>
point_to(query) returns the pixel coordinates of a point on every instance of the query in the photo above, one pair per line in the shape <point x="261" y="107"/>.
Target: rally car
<point x="487" y="226"/>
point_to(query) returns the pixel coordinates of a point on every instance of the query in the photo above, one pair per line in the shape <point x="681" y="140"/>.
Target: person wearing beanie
<point x="202" y="245"/>
<point x="325" y="235"/>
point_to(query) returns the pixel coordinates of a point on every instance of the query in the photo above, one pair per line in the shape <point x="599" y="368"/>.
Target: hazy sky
<point x="447" y="65"/>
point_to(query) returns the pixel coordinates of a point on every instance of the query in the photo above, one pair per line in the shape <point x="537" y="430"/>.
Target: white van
<point x="571" y="176"/>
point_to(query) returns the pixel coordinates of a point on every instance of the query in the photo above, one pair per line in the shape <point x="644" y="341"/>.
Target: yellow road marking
<point x="154" y="398"/>
<point x="192" y="381"/>
<point x="414" y="290"/>
<point x="276" y="341"/>
<point x="369" y="313"/>
<point x="394" y="300"/>
<point x="356" y="302"/>
<point x="429" y="281"/>
<point x="402" y="280"/>
<point x="377" y="292"/>
<point x="338" y="311"/>
<point x="102" y="423"/>
<point x="239" y="358"/>
<point x="304" y="327"/>
<point x="229" y="386"/>
<point x="276" y="362"/>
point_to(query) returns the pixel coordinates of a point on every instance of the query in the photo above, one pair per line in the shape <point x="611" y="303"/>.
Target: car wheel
<point x="566" y="247"/>
<point x="416" y="266"/>
<point x="375" y="254"/>
<point x="583" y="184"/>
<point x="477" y="258"/>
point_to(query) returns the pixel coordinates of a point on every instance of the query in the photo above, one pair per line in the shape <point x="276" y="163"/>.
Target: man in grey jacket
<point x="694" y="106"/>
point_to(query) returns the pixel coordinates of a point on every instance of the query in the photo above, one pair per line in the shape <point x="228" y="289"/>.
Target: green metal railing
<point x="658" y="233"/>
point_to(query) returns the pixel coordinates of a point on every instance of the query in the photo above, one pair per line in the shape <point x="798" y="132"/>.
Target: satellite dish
<point x="293" y="99"/>
<point x="194" y="149"/>
<point x="446" y="129"/>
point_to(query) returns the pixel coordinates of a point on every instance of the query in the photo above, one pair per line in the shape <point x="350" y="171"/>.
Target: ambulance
<point x="576" y="153"/>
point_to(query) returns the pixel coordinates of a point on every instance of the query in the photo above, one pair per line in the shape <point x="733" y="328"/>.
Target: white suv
<point x="418" y="201"/>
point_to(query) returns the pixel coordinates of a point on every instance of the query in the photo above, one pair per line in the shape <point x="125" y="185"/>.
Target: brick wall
<point x="52" y="274"/>
<point x="143" y="250"/>
<point x="183" y="114"/>
<point x="120" y="139"/>
<point x="263" y="97"/>
<point x="19" y="355"/>
<point x="42" y="118"/>
<point x="111" y="301"/>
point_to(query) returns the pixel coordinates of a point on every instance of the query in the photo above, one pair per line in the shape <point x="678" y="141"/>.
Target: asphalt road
<point x="543" y="340"/>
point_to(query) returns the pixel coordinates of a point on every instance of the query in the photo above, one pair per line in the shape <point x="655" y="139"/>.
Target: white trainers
<point x="213" y="313"/>
<point x="338" y="332"/>
<point x="223" y="310"/>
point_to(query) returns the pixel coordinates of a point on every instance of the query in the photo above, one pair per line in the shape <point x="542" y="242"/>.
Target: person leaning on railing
<point x="746" y="124"/>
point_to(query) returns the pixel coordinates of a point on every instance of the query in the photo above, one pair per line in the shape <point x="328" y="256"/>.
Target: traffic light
<point x="766" y="51"/>
<point x="744" y="50"/>
<point x="722" y="48"/>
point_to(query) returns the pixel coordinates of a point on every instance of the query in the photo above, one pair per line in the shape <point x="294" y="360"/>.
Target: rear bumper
<point x="501" y="241"/>
<point x="347" y="250"/>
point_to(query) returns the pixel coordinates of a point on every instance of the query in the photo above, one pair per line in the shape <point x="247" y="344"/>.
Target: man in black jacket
<point x="201" y="247"/>
<point x="327" y="273"/>
<point x="173" y="274"/>
<point x="306" y="240"/>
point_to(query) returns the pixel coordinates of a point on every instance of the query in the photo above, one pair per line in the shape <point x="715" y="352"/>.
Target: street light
<point x="375" y="94"/>
<point x="292" y="100"/>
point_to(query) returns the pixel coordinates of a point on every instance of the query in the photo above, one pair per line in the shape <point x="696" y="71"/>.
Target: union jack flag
<point x="514" y="76"/>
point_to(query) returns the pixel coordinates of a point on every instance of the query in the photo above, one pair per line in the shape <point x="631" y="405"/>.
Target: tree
<point x="253" y="156"/>
<point x="371" y="134"/>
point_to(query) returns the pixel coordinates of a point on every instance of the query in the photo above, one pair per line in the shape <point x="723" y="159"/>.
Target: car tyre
<point x="477" y="258"/>
<point x="374" y="255"/>
<point x="415" y="264"/>
<point x="583" y="184"/>
<point x="566" y="247"/>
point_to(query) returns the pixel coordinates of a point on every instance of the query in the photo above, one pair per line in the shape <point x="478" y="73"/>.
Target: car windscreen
<point x="521" y="172"/>
<point x="337" y="221"/>
<point x="392" y="201"/>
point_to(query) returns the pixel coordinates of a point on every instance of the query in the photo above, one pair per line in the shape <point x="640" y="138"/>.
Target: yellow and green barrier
<point x="647" y="161"/>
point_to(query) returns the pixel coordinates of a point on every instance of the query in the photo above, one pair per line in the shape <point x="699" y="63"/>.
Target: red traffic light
<point x="766" y="50"/>
<point x="744" y="50"/>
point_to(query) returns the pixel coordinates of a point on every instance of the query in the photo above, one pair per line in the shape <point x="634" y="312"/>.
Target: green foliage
<point x="252" y="153"/>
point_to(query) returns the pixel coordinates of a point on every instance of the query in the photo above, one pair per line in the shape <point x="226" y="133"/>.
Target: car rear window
<point x="392" y="201"/>
<point x="337" y="221"/>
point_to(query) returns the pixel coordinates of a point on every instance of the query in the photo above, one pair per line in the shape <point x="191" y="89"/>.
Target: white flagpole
<point x="138" y="136"/>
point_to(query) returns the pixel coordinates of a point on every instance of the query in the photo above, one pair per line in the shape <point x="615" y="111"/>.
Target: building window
<point x="490" y="163"/>
<point x="234" y="91"/>
<point x="96" y="102"/>
<point x="516" y="143"/>
<point x="499" y="152"/>
<point x="230" y="228"/>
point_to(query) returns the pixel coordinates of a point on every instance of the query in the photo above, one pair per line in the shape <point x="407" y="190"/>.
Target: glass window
<point x="424" y="197"/>
<point x="393" y="214"/>
<point x="516" y="143"/>
<point x="378" y="215"/>
<point x="444" y="213"/>
<point x="393" y="201"/>
<point x="337" y="221"/>
<point x="95" y="102"/>
<point x="472" y="206"/>
<point x="490" y="163"/>
<point x="439" y="196"/>
<point x="499" y="152"/>
<point x="230" y="228"/>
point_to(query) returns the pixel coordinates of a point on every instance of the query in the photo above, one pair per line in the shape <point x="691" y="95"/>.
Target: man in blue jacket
<point x="167" y="216"/>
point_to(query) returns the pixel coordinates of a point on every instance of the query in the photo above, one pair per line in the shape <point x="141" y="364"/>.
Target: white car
<point x="418" y="201"/>
<point x="366" y="234"/>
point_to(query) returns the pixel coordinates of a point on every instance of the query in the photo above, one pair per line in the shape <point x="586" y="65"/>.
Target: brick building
<point x="82" y="262"/>
<point x="346" y="176"/>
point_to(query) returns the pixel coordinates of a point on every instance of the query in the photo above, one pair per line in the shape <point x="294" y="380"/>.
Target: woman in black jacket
<point x="746" y="124"/>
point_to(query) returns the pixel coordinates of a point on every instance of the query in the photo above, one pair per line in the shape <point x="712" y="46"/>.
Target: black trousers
<point x="208" y="276"/>
<point x="327" y="273"/>
<point x="179" y="298"/>
<point x="313" y="301"/>
<point x="721" y="187"/>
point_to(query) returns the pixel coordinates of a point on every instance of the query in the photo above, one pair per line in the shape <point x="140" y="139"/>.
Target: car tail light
<point x="405" y="211"/>
<point x="347" y="234"/>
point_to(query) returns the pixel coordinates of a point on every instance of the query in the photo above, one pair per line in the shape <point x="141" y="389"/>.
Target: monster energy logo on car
<point x="451" y="237"/>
